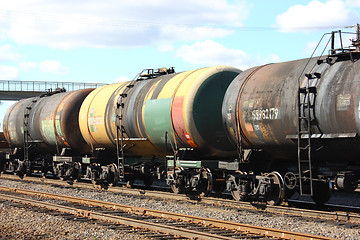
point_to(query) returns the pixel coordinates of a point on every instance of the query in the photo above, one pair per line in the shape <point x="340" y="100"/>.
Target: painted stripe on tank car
<point x="178" y="121"/>
<point x="170" y="89"/>
<point x="153" y="94"/>
<point x="179" y="107"/>
<point x="157" y="119"/>
<point x="133" y="118"/>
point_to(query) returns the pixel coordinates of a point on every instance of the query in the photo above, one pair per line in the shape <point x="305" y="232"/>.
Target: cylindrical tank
<point x="52" y="122"/>
<point x="187" y="105"/>
<point x="261" y="104"/>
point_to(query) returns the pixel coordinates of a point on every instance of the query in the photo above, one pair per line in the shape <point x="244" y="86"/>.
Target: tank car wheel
<point x="148" y="180"/>
<point x="276" y="196"/>
<point x="205" y="183"/>
<point x="76" y="175"/>
<point x="236" y="195"/>
<point x="322" y="191"/>
<point x="176" y="189"/>
<point x="92" y="178"/>
<point x="130" y="182"/>
<point x="175" y="184"/>
<point x="113" y="174"/>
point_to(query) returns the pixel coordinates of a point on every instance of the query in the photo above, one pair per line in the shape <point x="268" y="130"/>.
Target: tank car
<point x="296" y="125"/>
<point x="264" y="133"/>
<point x="137" y="122"/>
<point x="162" y="124"/>
<point x="43" y="129"/>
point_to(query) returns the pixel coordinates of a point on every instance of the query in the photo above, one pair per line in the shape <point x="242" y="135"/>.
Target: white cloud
<point x="117" y="23"/>
<point x="26" y="66"/>
<point x="165" y="48"/>
<point x="7" y="53"/>
<point x="9" y="73"/>
<point x="353" y="3"/>
<point x="316" y="14"/>
<point x="211" y="53"/>
<point x="52" y="66"/>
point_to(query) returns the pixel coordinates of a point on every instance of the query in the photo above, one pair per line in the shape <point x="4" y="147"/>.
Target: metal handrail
<point x="42" y="86"/>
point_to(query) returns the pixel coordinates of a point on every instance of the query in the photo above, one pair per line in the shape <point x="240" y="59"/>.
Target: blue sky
<point x="112" y="40"/>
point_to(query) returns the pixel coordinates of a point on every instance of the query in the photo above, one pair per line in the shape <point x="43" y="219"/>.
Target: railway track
<point x="170" y="224"/>
<point x="333" y="213"/>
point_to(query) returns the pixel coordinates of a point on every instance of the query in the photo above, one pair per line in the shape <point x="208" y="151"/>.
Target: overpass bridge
<point x="16" y="90"/>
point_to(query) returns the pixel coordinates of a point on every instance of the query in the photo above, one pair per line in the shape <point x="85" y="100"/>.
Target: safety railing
<point x="42" y="86"/>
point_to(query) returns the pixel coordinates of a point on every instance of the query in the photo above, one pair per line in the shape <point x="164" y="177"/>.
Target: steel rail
<point x="262" y="231"/>
<point x="325" y="215"/>
<point x="116" y="219"/>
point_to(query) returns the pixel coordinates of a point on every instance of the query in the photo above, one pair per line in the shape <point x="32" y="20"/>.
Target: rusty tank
<point x="260" y="108"/>
<point x="51" y="122"/>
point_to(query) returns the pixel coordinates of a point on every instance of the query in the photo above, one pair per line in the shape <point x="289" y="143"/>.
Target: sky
<point x="112" y="40"/>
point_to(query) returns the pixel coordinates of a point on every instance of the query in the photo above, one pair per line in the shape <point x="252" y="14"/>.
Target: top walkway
<point x="16" y="90"/>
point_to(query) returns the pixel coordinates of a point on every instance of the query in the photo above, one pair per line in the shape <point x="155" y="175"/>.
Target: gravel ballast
<point x="23" y="223"/>
<point x="9" y="216"/>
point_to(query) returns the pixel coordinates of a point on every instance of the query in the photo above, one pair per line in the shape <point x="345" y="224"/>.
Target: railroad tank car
<point x="187" y="105"/>
<point x="142" y="119"/>
<point x="264" y="133"/>
<point x="286" y="111"/>
<point x="43" y="126"/>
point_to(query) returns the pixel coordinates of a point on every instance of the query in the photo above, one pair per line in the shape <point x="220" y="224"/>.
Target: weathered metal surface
<point x="185" y="105"/>
<point x="263" y="100"/>
<point x="53" y="122"/>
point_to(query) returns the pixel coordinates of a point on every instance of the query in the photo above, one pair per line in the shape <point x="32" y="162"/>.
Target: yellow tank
<point x="186" y="105"/>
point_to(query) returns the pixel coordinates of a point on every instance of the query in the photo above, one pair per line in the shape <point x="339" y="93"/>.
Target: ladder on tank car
<point x="27" y="137"/>
<point x="306" y="120"/>
<point x="307" y="123"/>
<point x="28" y="140"/>
<point x="121" y="134"/>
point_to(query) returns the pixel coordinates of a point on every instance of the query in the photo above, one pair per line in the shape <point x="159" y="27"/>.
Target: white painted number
<point x="265" y="114"/>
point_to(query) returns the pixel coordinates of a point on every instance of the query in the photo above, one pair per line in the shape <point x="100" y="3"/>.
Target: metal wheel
<point x="205" y="183"/>
<point x="113" y="174"/>
<point x="276" y="196"/>
<point x="236" y="194"/>
<point x="148" y="180"/>
<point x="76" y="173"/>
<point x="175" y="189"/>
<point x="92" y="178"/>
<point x="130" y="182"/>
<point x="174" y="176"/>
<point x="322" y="191"/>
